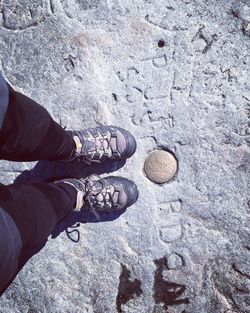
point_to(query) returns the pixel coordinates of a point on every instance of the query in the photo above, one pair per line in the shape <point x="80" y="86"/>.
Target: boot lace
<point x="99" y="196"/>
<point x="96" y="145"/>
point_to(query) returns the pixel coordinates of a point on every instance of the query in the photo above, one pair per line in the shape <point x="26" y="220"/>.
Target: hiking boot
<point x="102" y="143"/>
<point x="98" y="194"/>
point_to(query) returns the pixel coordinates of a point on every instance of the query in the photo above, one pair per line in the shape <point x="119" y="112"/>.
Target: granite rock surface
<point x="176" y="74"/>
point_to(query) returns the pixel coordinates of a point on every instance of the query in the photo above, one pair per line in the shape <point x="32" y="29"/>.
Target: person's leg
<point x="37" y="207"/>
<point x="29" y="214"/>
<point x="29" y="133"/>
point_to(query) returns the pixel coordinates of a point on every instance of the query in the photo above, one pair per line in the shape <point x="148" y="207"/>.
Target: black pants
<point x="29" y="133"/>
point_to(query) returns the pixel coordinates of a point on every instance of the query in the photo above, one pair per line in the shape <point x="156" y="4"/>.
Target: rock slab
<point x="176" y="74"/>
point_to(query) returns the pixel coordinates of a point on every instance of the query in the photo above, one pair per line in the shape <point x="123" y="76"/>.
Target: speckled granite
<point x="176" y="74"/>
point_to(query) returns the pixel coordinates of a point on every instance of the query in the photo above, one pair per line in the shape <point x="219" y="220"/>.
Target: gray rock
<point x="98" y="62"/>
<point x="175" y="261"/>
<point x="244" y="11"/>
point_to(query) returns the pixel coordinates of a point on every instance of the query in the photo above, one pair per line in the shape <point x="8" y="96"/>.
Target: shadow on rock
<point x="71" y="223"/>
<point x="49" y="171"/>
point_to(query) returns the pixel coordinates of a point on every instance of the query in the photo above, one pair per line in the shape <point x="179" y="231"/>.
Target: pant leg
<point x="35" y="209"/>
<point x="29" y="133"/>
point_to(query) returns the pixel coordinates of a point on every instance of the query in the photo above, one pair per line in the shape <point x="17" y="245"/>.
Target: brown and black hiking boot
<point x="103" y="194"/>
<point x="102" y="143"/>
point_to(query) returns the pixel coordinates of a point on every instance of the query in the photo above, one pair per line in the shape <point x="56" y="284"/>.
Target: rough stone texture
<point x="160" y="166"/>
<point x="184" y="247"/>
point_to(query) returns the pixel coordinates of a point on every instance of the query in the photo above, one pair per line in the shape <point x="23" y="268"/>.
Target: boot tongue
<point x="78" y="144"/>
<point x="118" y="143"/>
<point x="122" y="198"/>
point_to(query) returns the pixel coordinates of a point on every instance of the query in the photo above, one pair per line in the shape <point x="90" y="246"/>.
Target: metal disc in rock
<point x="160" y="166"/>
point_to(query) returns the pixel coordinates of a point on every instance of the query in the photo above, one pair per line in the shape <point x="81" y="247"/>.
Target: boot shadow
<point x="69" y="225"/>
<point x="49" y="171"/>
